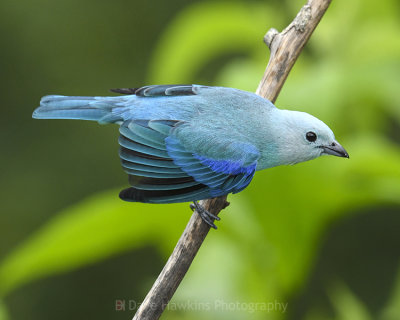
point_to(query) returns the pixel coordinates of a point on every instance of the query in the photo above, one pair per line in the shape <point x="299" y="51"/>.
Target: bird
<point x="185" y="143"/>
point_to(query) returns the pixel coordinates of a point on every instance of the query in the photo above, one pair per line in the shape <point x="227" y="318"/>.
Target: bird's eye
<point x="311" y="136"/>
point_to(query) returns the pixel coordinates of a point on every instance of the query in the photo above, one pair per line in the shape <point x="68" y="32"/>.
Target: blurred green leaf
<point x="3" y="311"/>
<point x="92" y="230"/>
<point x="207" y="30"/>
<point x="346" y="304"/>
<point x="392" y="310"/>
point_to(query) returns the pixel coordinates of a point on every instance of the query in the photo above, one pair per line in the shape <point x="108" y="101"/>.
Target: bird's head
<point x="304" y="137"/>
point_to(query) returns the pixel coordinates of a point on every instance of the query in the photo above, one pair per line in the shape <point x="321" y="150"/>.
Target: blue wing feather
<point x="136" y="146"/>
<point x="227" y="166"/>
<point x="129" y="156"/>
<point x="146" y="168"/>
<point x="155" y="174"/>
<point x="142" y="130"/>
<point x="126" y="132"/>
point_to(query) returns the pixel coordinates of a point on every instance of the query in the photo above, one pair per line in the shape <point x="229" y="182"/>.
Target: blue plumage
<point x="182" y="143"/>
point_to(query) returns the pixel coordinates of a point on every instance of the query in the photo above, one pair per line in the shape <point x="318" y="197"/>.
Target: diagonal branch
<point x="285" y="48"/>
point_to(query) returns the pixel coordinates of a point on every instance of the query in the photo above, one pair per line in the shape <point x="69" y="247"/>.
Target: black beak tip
<point x="335" y="149"/>
<point x="344" y="153"/>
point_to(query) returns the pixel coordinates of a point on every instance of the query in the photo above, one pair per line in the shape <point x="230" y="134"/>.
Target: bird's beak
<point x="335" y="149"/>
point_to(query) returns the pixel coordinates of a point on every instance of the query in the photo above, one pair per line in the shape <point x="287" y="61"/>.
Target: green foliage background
<point x="321" y="236"/>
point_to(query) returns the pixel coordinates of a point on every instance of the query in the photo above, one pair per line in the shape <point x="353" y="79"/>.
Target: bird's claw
<point x="206" y="215"/>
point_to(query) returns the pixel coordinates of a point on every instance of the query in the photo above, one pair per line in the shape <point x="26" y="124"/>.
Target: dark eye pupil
<point x="311" y="136"/>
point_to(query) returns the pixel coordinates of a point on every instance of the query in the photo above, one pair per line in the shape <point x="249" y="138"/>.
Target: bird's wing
<point x="161" y="90"/>
<point x="164" y="169"/>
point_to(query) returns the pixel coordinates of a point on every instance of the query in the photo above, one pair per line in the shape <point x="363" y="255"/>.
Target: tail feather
<point x="82" y="108"/>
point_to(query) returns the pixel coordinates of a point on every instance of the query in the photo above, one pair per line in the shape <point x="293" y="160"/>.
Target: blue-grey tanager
<point x="189" y="142"/>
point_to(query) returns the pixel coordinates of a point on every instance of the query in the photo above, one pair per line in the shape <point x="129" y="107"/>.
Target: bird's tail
<point x="82" y="108"/>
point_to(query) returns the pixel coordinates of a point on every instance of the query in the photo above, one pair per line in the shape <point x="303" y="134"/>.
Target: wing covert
<point x="161" y="90"/>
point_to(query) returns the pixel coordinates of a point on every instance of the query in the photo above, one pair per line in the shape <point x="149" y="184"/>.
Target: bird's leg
<point x="207" y="216"/>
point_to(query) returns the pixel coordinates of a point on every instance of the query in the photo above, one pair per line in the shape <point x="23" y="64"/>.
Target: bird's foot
<point x="207" y="216"/>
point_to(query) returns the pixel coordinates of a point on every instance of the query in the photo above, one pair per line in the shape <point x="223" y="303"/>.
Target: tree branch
<point x="285" y="48"/>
